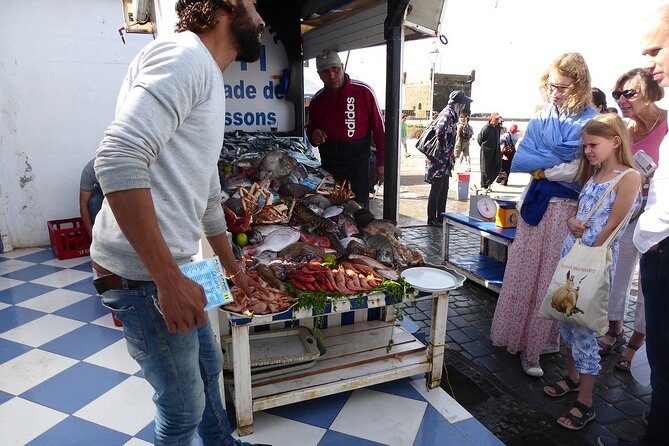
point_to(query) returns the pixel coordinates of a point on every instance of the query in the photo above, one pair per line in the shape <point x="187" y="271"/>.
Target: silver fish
<point x="275" y="241"/>
<point x="317" y="200"/>
<point x="266" y="230"/>
<point x="383" y="247"/>
<point x="332" y="211"/>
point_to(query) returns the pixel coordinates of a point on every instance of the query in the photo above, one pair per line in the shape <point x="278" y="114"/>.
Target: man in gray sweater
<point x="157" y="165"/>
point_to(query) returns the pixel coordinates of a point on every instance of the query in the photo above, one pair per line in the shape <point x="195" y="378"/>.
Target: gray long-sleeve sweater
<point x="167" y="136"/>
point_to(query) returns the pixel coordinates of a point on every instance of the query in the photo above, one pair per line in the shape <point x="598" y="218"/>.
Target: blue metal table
<point x="479" y="268"/>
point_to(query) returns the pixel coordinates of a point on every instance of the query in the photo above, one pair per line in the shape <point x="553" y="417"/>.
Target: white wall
<point x="61" y="65"/>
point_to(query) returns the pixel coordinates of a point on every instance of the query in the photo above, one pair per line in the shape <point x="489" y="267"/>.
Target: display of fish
<point x="275" y="241"/>
<point x="319" y="216"/>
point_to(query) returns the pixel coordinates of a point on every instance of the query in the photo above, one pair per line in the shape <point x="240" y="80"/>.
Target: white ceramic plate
<point x="432" y="280"/>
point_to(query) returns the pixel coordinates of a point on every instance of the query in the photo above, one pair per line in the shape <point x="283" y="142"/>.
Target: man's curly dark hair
<point x="200" y="15"/>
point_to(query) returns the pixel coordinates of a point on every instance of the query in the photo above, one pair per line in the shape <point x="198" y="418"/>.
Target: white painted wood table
<point x="356" y="356"/>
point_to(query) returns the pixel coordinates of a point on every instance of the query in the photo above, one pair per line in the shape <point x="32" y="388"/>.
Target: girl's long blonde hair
<point x="607" y="125"/>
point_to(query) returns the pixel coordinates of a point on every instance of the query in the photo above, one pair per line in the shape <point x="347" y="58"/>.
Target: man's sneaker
<point x="645" y="416"/>
<point x="532" y="369"/>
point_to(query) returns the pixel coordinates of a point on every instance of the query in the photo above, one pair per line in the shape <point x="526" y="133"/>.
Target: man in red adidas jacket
<point x="344" y="117"/>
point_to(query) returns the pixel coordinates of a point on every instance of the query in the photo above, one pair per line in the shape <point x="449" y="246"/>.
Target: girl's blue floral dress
<point x="582" y="341"/>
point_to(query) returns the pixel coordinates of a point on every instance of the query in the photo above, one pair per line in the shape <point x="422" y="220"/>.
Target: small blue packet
<point x="209" y="274"/>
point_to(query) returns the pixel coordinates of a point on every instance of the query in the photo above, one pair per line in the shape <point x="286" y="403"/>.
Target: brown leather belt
<point x="107" y="280"/>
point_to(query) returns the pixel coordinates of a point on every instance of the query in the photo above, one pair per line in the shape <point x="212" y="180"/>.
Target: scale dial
<point x="486" y="207"/>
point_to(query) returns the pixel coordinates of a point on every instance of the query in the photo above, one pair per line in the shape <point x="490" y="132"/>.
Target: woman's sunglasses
<point x="629" y="94"/>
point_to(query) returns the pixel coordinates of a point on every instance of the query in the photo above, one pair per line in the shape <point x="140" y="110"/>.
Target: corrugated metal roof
<point x="360" y="23"/>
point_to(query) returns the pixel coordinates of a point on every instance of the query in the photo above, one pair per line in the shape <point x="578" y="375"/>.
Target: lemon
<point x="242" y="239"/>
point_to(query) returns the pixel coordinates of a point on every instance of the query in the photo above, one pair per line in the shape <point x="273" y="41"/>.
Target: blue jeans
<point x="655" y="282"/>
<point x="182" y="368"/>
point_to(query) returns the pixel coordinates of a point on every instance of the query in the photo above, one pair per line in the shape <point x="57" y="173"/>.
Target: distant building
<point x="417" y="94"/>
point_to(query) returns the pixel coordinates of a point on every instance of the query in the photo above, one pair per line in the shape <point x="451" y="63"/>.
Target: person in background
<point x="157" y="164"/>
<point x="606" y="157"/>
<point x="464" y="135"/>
<point x="438" y="170"/>
<point x="599" y="100"/>
<point x="90" y="197"/>
<point x="344" y="116"/>
<point x="491" y="157"/>
<point x="636" y="94"/>
<point x="508" y="145"/>
<point x="651" y="237"/>
<point x="551" y="151"/>
<point x="403" y="135"/>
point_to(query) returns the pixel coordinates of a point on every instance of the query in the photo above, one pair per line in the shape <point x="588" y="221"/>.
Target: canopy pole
<point x="394" y="34"/>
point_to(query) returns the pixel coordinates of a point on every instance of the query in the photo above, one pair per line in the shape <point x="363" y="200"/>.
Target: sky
<point x="511" y="42"/>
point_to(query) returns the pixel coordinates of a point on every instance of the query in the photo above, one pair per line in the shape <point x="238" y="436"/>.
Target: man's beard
<point x="246" y="37"/>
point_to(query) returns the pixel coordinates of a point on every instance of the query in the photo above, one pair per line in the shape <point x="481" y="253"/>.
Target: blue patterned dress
<point x="582" y="341"/>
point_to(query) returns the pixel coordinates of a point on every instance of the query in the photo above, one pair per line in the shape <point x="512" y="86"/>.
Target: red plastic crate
<point x="69" y="238"/>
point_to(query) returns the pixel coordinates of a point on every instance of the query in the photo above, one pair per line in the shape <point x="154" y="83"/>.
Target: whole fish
<point x="347" y="226"/>
<point x="301" y="252"/>
<point x="317" y="200"/>
<point x="383" y="247"/>
<point x="332" y="211"/>
<point x="278" y="163"/>
<point x="379" y="267"/>
<point x="383" y="227"/>
<point x="266" y="230"/>
<point x="275" y="241"/>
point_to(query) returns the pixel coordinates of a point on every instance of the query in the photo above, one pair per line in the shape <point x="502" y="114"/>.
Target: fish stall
<point x="332" y="283"/>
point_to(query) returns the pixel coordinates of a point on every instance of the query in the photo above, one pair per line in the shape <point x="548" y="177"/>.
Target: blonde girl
<point x="606" y="155"/>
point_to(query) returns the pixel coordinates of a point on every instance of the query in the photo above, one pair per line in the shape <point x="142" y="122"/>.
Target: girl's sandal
<point x="558" y="390"/>
<point x="577" y="423"/>
<point x="625" y="364"/>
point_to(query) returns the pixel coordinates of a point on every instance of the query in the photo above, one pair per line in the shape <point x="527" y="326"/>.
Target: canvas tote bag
<point x="579" y="290"/>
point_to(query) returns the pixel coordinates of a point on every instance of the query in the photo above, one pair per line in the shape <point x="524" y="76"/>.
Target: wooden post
<point x="241" y="357"/>
<point x="436" y="347"/>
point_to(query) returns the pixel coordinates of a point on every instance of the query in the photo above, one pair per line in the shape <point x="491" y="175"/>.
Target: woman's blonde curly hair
<point x="199" y="15"/>
<point x="573" y="66"/>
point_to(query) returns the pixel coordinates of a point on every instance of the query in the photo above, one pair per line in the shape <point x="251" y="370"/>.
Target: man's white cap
<point x="327" y="59"/>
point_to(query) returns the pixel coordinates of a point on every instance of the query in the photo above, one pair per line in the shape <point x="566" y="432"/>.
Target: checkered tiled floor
<point x="67" y="379"/>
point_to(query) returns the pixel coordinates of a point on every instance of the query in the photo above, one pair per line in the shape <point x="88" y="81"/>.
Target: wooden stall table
<point x="356" y="355"/>
<point x="480" y="268"/>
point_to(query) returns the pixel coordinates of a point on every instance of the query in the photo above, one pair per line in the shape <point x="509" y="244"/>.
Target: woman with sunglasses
<point x="635" y="92"/>
<point x="550" y="151"/>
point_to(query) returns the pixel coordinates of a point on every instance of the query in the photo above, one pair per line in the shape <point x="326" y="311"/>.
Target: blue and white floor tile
<point x="66" y="379"/>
